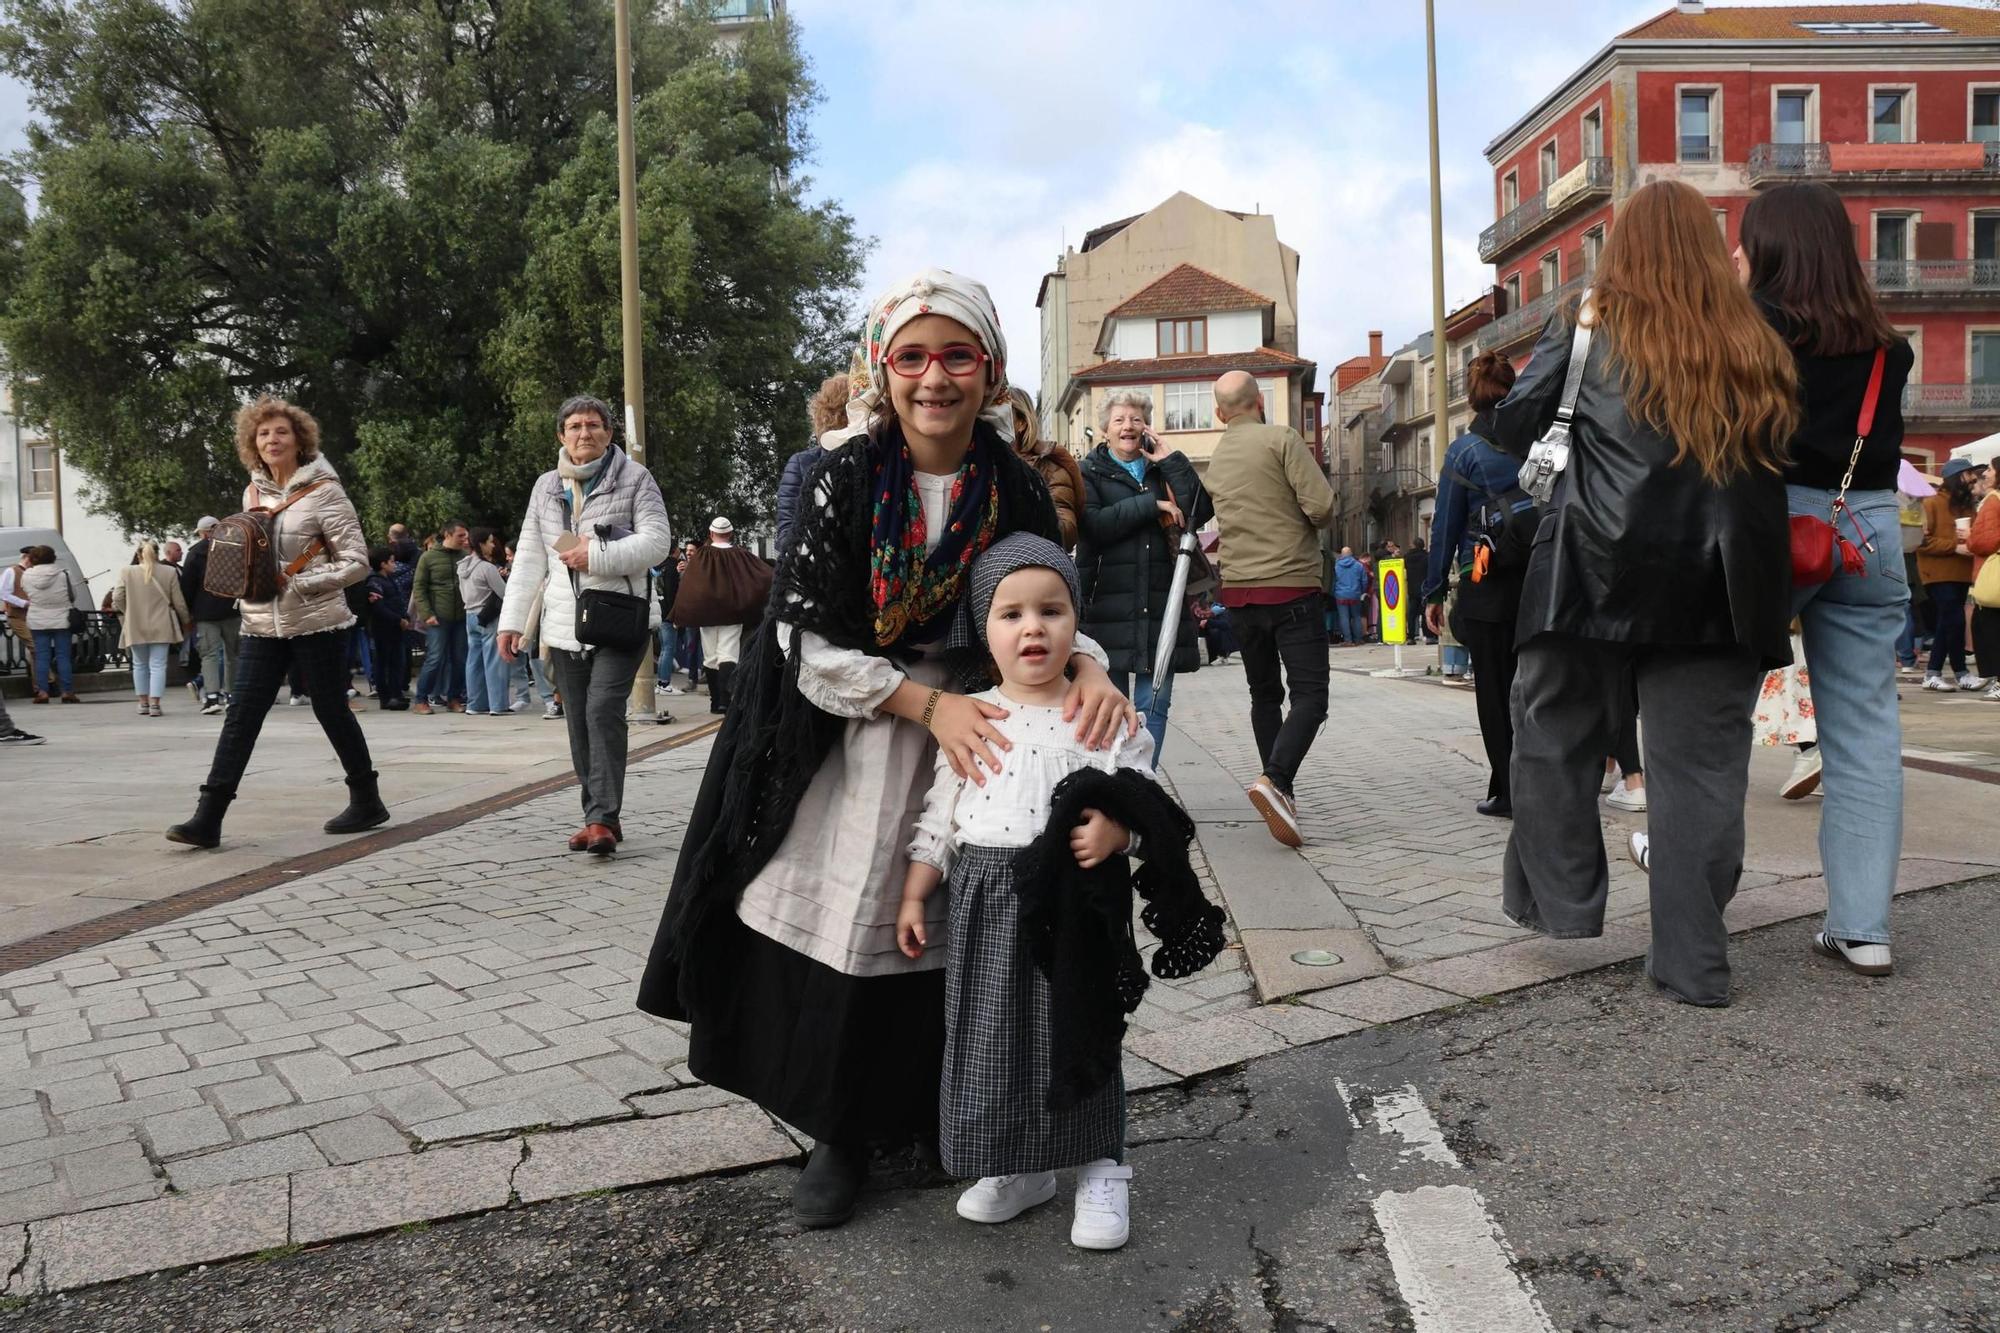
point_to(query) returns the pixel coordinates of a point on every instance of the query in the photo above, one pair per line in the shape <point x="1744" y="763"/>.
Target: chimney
<point x="1374" y="344"/>
<point x="1693" y="7"/>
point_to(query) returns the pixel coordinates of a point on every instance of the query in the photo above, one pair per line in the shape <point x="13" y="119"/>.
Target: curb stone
<point x="231" y="1221"/>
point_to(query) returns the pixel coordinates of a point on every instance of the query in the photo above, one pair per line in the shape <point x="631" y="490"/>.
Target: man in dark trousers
<point x="215" y="623"/>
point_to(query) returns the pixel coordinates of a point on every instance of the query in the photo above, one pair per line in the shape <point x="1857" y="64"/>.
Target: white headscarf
<point x="931" y="292"/>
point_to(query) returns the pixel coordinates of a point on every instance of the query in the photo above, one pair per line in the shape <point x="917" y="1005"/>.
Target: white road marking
<point x="1403" y="1113"/>
<point x="1451" y="1264"/>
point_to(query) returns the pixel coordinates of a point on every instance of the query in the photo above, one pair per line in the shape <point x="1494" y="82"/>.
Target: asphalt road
<point x="1586" y="1155"/>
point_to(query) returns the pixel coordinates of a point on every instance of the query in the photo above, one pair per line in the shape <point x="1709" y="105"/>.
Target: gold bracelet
<point x="930" y="707"/>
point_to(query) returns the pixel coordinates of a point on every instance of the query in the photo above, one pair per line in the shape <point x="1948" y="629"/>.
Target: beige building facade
<point x="1116" y="264"/>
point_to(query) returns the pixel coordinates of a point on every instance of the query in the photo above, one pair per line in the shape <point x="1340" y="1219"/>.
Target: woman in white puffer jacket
<point x="304" y="626"/>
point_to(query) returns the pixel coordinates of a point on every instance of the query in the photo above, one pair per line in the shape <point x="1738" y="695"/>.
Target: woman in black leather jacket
<point x="1666" y="554"/>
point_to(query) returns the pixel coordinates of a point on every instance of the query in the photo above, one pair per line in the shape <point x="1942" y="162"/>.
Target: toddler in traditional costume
<point x="1042" y="966"/>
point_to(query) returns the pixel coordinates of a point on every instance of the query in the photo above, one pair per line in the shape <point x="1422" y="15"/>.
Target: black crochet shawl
<point x="773" y="741"/>
<point x="1077" y="923"/>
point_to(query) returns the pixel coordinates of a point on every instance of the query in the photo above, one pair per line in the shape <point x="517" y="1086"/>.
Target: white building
<point x="38" y="491"/>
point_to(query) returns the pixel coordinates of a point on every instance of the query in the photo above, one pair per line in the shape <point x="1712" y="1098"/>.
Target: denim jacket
<point x="1474" y="471"/>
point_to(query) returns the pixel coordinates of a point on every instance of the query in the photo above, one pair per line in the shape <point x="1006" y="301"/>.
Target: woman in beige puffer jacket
<point x="304" y="627"/>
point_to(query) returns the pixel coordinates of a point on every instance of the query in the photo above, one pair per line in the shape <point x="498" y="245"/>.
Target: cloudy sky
<point x="981" y="134"/>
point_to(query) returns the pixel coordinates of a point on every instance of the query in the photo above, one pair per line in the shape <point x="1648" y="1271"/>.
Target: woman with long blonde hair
<point x="153" y="616"/>
<point x="1665" y="554"/>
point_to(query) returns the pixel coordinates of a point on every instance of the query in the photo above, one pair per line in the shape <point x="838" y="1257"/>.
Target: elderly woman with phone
<point x="1138" y="497"/>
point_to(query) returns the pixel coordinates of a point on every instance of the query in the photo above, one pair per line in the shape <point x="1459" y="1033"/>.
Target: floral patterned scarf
<point x="914" y="592"/>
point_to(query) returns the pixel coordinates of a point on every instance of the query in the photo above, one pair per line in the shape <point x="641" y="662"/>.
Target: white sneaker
<point x="1870" y="960"/>
<point x="1281" y="816"/>
<point x="1969" y="682"/>
<point x="1937" y="683"/>
<point x="1627" y="798"/>
<point x="1103" y="1206"/>
<point x="1640" y="848"/>
<point x="300" y="701"/>
<point x="1804" y="780"/>
<point x="1004" y="1198"/>
<point x="1993" y="691"/>
<point x="552" y="712"/>
<point x="669" y="689"/>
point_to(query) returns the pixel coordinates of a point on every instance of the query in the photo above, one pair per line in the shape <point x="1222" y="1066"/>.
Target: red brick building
<point x="1897" y="106"/>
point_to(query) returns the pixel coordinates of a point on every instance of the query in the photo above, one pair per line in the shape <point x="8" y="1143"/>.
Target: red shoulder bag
<point x="1819" y="550"/>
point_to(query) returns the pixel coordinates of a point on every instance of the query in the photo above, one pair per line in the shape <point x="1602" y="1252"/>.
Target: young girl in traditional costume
<point x="778" y="942"/>
<point x="1040" y="968"/>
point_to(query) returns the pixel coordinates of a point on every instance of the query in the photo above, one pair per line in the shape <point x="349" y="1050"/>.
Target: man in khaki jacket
<point x="1270" y="496"/>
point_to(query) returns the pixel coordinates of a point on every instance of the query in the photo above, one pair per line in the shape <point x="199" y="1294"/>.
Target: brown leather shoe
<point x="602" y="842"/>
<point x="71" y="699"/>
<point x="421" y="706"/>
<point x="580" y="840"/>
<point x="457" y="707"/>
<point x="41" y="697"/>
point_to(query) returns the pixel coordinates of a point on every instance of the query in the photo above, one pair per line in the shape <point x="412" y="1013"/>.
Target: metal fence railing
<point x="95" y="649"/>
<point x="1933" y="277"/>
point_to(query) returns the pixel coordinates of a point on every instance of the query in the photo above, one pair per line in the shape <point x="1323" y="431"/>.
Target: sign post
<point x="1394" y="606"/>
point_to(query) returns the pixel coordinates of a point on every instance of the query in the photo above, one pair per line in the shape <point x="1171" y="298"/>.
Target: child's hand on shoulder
<point x="1097" y="838"/>
<point x="911" y="936"/>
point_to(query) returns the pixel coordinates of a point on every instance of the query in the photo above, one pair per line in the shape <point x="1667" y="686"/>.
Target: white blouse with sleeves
<point x="1013" y="808"/>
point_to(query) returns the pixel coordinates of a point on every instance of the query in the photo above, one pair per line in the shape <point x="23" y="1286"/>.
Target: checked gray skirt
<point x="993" y="1116"/>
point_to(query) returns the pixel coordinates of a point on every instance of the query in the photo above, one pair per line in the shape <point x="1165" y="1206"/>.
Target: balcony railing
<point x="1454" y="390"/>
<point x="1592" y="177"/>
<point x="1700" y="150"/>
<point x="1956" y="401"/>
<point x="1934" y="277"/>
<point x="1814" y="161"/>
<point x="1515" y="325"/>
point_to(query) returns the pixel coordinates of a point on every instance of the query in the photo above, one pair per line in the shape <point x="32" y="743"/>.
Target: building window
<point x="1986" y="358"/>
<point x="1548" y="160"/>
<point x="1698" y="127"/>
<point x="1986" y="115"/>
<point x="1892" y="250"/>
<point x="1513" y="290"/>
<point x="1182" y="337"/>
<point x="1791" y="116"/>
<point x="1190" y="406"/>
<point x="1890" y="122"/>
<point x="1551" y="270"/>
<point x="1593" y="246"/>
<point x="41" y="469"/>
<point x="1986" y="248"/>
<point x="1593" y="133"/>
<point x="1270" y="403"/>
<point x="1722" y="223"/>
<point x="1510" y="193"/>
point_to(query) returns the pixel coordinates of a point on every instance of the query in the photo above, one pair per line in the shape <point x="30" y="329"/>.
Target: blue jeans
<point x="443" y="676"/>
<point x="690" y="655"/>
<point x="53" y="644"/>
<point x="1948" y="627"/>
<point x="1851" y="623"/>
<point x="1152" y="704"/>
<point x="1348" y="615"/>
<point x="149" y="669"/>
<point x="485" y="673"/>
<point x="1456" y="659"/>
<point x="1906" y="641"/>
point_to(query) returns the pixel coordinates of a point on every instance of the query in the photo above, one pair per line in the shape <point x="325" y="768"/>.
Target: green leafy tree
<point x="402" y="214"/>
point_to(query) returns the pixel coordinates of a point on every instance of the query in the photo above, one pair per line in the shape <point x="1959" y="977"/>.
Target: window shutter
<point x="1531" y="285"/>
<point x="1935" y="240"/>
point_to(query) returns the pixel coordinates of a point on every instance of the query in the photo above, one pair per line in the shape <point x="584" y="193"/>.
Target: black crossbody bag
<point x="608" y="619"/>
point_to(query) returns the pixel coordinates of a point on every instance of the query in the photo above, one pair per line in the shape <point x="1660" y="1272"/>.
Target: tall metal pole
<point x="642" y="705"/>
<point x="1440" y="380"/>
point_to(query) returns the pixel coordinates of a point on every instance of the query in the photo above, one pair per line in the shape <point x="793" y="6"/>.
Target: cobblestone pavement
<point x="473" y="984"/>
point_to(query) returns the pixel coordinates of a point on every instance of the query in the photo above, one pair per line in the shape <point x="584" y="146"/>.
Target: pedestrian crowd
<point x="901" y="912"/>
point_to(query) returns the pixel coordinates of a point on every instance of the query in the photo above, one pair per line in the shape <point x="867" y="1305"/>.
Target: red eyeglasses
<point x="959" y="360"/>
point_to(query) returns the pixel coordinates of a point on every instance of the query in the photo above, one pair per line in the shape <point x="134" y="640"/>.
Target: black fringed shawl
<point x="1077" y="923"/>
<point x="773" y="741"/>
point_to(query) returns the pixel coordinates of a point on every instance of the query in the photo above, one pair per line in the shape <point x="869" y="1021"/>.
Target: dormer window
<point x="1182" y="337"/>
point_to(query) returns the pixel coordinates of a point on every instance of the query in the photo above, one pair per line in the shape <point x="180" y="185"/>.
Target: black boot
<point x="719" y="680"/>
<point x="826" y="1190"/>
<point x="364" y="807"/>
<point x="205" y="829"/>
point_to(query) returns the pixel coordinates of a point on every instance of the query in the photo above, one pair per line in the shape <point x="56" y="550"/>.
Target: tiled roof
<point x="1187" y="290"/>
<point x="1264" y="358"/>
<point x="1738" y="24"/>
<point x="1354" y="370"/>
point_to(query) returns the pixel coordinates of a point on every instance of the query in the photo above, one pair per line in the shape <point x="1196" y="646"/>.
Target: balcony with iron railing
<point x="1526" y="322"/>
<point x="1958" y="402"/>
<point x="1934" y="277"/>
<point x="1588" y="179"/>
<point x="1815" y="161"/>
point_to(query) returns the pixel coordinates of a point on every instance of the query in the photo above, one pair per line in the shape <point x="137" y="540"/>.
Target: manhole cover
<point x="1316" y="958"/>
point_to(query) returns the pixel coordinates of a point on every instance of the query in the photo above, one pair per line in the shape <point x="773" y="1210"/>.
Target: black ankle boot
<point x="205" y="829"/>
<point x="364" y="807"/>
<point x="826" y="1190"/>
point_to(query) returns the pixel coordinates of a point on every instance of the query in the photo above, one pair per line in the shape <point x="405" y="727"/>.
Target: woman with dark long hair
<point x="1478" y="496"/>
<point x="1944" y="563"/>
<point x="1798" y="260"/>
<point x="1666" y="554"/>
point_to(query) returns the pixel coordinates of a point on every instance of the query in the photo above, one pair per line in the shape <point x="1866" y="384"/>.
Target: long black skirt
<point x="850" y="1060"/>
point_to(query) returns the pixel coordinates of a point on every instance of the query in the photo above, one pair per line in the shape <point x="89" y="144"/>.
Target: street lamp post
<point x="642" y="702"/>
<point x="1440" y="390"/>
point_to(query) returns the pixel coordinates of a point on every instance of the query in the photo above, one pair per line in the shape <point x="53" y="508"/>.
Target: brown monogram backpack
<point x="243" y="557"/>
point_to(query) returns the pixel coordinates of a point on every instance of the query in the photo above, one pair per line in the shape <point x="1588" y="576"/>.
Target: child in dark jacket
<point x="388" y="627"/>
